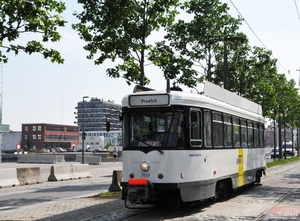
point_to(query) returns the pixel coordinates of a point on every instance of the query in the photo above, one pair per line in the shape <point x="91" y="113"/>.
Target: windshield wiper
<point x="160" y="151"/>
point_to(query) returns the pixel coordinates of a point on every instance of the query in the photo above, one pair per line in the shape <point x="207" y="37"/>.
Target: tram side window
<point x="227" y="131"/>
<point x="195" y="129"/>
<point x="244" y="133"/>
<point x="250" y="134"/>
<point x="261" y="135"/>
<point x="256" y="134"/>
<point x="236" y="132"/>
<point x="217" y="130"/>
<point x="207" y="129"/>
<point x="126" y="136"/>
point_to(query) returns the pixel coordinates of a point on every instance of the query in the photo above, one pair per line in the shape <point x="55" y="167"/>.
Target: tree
<point x="118" y="30"/>
<point x="187" y="55"/>
<point x="30" y="16"/>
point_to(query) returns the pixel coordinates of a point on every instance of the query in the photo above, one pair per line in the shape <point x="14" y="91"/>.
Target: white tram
<point x="184" y="147"/>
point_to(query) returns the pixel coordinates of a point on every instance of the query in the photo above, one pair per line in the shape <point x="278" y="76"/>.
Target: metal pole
<point x="82" y="133"/>
<point x="225" y="77"/>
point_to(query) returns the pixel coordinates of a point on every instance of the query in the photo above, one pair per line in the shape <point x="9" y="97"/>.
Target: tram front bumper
<point x="139" y="190"/>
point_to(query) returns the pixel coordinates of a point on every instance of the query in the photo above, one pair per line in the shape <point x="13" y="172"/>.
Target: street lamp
<point x="83" y="135"/>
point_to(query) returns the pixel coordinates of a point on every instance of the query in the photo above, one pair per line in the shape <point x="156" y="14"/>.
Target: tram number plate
<point x="145" y="175"/>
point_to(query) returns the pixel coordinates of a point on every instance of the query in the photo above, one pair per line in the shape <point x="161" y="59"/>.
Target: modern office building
<point x="39" y="136"/>
<point x="92" y="116"/>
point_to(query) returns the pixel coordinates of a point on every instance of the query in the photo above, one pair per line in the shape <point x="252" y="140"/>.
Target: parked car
<point x="42" y="151"/>
<point x="276" y="154"/>
<point x="71" y="150"/>
<point x="97" y="150"/>
<point x="61" y="150"/>
<point x="288" y="147"/>
<point x="86" y="150"/>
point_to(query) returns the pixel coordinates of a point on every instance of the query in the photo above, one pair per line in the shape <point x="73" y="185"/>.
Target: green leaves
<point x="194" y="45"/>
<point x="119" y="30"/>
<point x="39" y="17"/>
<point x="191" y="51"/>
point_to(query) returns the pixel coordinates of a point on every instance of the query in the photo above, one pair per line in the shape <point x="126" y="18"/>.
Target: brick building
<point x="290" y="135"/>
<point x="38" y="136"/>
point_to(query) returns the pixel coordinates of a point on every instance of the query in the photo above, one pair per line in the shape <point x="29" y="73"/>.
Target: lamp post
<point x="83" y="133"/>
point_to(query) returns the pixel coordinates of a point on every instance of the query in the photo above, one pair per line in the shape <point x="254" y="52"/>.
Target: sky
<point x="38" y="91"/>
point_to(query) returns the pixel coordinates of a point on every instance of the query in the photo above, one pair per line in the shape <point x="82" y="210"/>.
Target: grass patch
<point x="110" y="195"/>
<point x="277" y="162"/>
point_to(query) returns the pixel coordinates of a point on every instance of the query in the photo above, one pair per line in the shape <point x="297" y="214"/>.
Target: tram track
<point x="282" y="199"/>
<point x="277" y="203"/>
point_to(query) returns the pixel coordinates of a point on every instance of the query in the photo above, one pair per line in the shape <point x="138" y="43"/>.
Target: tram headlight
<point x="145" y="166"/>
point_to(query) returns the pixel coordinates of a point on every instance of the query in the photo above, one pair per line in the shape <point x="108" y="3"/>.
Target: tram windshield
<point x="153" y="129"/>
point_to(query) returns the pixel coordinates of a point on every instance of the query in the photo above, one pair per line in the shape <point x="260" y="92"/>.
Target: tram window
<point x="176" y="127"/>
<point x="160" y="125"/>
<point x="217" y="130"/>
<point x="256" y="135"/>
<point x="195" y="128"/>
<point x="153" y="129"/>
<point x="126" y="140"/>
<point x="227" y="131"/>
<point x="250" y="134"/>
<point x="207" y="129"/>
<point x="236" y="130"/>
<point x="261" y="135"/>
<point x="244" y="133"/>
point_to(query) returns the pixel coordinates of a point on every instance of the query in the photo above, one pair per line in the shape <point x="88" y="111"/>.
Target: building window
<point x="39" y="136"/>
<point x="39" y="128"/>
<point x="34" y="137"/>
<point x="25" y="136"/>
<point x="33" y="128"/>
<point x="26" y="128"/>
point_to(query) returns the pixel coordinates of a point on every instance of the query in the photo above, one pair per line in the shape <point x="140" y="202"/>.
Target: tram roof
<point x="214" y="97"/>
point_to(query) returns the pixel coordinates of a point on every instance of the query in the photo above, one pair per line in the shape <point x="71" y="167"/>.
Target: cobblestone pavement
<point x="99" y="209"/>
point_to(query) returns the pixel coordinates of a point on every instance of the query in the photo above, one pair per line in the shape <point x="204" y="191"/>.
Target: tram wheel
<point x="258" y="176"/>
<point x="223" y="188"/>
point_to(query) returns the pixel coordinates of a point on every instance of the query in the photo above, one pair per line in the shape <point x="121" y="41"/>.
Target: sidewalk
<point x="83" y="208"/>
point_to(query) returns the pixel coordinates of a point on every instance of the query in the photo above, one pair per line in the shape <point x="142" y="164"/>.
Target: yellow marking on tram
<point x="241" y="167"/>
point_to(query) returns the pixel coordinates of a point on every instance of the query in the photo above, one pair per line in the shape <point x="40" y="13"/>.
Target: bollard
<point x="8" y="177"/>
<point x="116" y="180"/>
<point x="61" y="172"/>
<point x="28" y="176"/>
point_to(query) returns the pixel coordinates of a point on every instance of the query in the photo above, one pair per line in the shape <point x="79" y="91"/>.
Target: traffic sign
<point x="18" y="146"/>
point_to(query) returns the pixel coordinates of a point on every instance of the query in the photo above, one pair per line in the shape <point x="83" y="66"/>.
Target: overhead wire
<point x="257" y="36"/>
<point x="297" y="9"/>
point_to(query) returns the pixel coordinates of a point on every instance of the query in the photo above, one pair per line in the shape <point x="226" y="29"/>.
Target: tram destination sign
<point x="149" y="100"/>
